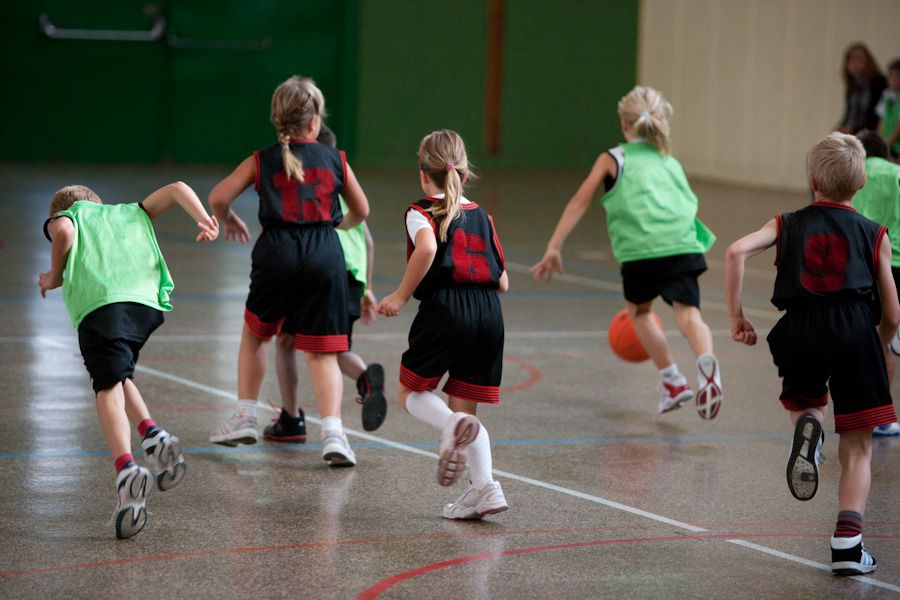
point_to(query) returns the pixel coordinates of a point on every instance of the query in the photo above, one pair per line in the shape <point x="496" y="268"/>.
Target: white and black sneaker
<point x="803" y="464"/>
<point x="849" y="556"/>
<point x="370" y="386"/>
<point x="336" y="449"/>
<point x="132" y="488"/>
<point x="165" y="458"/>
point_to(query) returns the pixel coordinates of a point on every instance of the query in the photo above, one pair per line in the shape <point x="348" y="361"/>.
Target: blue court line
<point x="539" y="442"/>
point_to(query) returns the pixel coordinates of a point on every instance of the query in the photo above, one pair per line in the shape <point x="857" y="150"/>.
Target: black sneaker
<point x="370" y="386"/>
<point x="803" y="464"/>
<point x="849" y="556"/>
<point x="286" y="428"/>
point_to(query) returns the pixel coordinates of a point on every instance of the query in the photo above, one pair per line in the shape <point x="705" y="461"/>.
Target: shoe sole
<point x="285" y="438"/>
<point x="131" y="519"/>
<point x="849" y="568"/>
<point x="480" y="514"/>
<point x="374" y="408"/>
<point x="709" y="396"/>
<point x="464" y="433"/>
<point x="171" y="460"/>
<point x="679" y="400"/>
<point x="338" y="459"/>
<point x="802" y="472"/>
<point x="241" y="436"/>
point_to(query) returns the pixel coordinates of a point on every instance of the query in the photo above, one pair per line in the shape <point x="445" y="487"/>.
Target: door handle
<point x="104" y="35"/>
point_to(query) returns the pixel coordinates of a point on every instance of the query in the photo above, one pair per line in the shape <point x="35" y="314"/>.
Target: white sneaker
<point x="806" y="454"/>
<point x="475" y="503"/>
<point x="132" y="489"/>
<point x="887" y="430"/>
<point x="336" y="449"/>
<point x="674" y="393"/>
<point x="240" y="429"/>
<point x="165" y="458"/>
<point x="850" y="557"/>
<point x="460" y="431"/>
<point x="709" y="386"/>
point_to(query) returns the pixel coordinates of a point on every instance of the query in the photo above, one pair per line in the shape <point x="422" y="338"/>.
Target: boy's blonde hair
<point x="442" y="156"/>
<point x="647" y="113"/>
<point x="295" y="103"/>
<point x="837" y="165"/>
<point x="69" y="195"/>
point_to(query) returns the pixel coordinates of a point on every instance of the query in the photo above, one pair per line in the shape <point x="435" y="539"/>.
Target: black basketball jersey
<point x="826" y="251"/>
<point x="471" y="256"/>
<point x="315" y="201"/>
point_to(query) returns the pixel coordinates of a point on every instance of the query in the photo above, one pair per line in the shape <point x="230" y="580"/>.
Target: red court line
<point x="534" y="374"/>
<point x="319" y="544"/>
<point x="385" y="584"/>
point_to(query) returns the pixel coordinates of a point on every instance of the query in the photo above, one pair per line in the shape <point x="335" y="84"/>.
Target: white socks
<point x="332" y="425"/>
<point x="247" y="406"/>
<point x="428" y="408"/>
<point x="670" y="373"/>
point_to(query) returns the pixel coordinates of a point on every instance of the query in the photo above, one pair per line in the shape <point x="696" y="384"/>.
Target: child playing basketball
<point x="651" y="215"/>
<point x="454" y="268"/>
<point x="116" y="287"/>
<point x="879" y="200"/>
<point x="298" y="282"/>
<point x="359" y="252"/>
<point x="831" y="263"/>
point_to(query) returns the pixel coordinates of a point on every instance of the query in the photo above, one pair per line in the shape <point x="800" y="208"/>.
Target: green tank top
<point x="651" y="211"/>
<point x="891" y="115"/>
<point x="879" y="200"/>
<point x="353" y="241"/>
<point x="114" y="258"/>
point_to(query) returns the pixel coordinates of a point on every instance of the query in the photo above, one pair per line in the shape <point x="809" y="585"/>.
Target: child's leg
<point x="114" y="421"/>
<point x="652" y="339"/>
<point x="288" y="377"/>
<point x="479" y="452"/>
<point x="328" y="386"/>
<point x="692" y="327"/>
<point x="162" y="449"/>
<point x="855" y="453"/>
<point x="352" y="365"/>
<point x="251" y="364"/>
<point x="134" y="404"/>
<point x="425" y="406"/>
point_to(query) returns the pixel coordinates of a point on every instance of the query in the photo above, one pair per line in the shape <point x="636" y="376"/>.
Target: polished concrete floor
<point x="607" y="498"/>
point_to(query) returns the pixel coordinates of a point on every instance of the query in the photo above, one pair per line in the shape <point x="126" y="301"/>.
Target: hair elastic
<point x="645" y="115"/>
<point x="450" y="166"/>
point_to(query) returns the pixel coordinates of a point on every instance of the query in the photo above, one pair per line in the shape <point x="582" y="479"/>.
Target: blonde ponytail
<point x="442" y="156"/>
<point x="647" y="112"/>
<point x="295" y="103"/>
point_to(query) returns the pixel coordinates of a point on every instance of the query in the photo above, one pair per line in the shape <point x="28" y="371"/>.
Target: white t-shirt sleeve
<point x="415" y="222"/>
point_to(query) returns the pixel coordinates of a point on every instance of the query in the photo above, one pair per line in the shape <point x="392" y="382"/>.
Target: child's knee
<point x="639" y="310"/>
<point x="284" y="342"/>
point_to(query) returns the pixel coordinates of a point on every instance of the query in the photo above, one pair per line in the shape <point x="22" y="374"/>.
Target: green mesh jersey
<point x="114" y="258"/>
<point x="353" y="241"/>
<point x="651" y="211"/>
<point x="879" y="200"/>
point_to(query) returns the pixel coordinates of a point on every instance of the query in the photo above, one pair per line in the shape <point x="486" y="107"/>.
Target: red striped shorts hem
<point x="321" y="343"/>
<point x="865" y="419"/>
<point x="489" y="394"/>
<point x="417" y="383"/>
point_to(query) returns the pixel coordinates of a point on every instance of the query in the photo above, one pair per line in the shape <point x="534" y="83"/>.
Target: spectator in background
<point x="864" y="86"/>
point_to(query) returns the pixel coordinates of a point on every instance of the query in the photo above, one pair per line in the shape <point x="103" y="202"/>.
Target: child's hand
<point x="368" y="308"/>
<point x="235" y="229"/>
<point x="551" y="263"/>
<point x="391" y="305"/>
<point x="47" y="281"/>
<point x="209" y="229"/>
<point x="742" y="331"/>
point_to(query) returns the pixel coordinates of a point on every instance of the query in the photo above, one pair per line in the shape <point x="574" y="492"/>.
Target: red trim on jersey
<point x="833" y="205"/>
<point x="497" y="243"/>
<point x="804" y="402"/>
<point x="876" y="259"/>
<point x="303" y="141"/>
<point x="489" y="394"/>
<point x="256" y="176"/>
<point x="411" y="243"/>
<point x="260" y="328"/>
<point x="417" y="383"/>
<point x="344" y="165"/>
<point x="470" y="206"/>
<point x="778" y="224"/>
<point x="865" y="419"/>
<point x="321" y="343"/>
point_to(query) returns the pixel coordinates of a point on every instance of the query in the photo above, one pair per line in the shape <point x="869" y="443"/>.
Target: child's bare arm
<point x="738" y="252"/>
<point x="357" y="203"/>
<point x="181" y="193"/>
<point x="225" y="192"/>
<point x="572" y="214"/>
<point x="504" y="282"/>
<point x="62" y="232"/>
<point x="419" y="263"/>
<point x="887" y="291"/>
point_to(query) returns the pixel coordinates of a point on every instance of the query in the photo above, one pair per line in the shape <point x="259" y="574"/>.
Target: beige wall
<point x="755" y="83"/>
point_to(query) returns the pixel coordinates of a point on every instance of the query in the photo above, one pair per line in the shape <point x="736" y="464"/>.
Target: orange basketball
<point x="624" y="341"/>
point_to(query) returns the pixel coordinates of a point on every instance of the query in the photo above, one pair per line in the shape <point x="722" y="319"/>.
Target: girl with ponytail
<point x="651" y="216"/>
<point x="298" y="282"/>
<point x="455" y="269"/>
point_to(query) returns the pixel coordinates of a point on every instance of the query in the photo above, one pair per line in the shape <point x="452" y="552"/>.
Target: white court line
<point x="535" y="482"/>
<point x="609" y="286"/>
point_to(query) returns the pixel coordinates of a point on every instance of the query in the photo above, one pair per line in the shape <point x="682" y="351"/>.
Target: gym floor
<point x="607" y="498"/>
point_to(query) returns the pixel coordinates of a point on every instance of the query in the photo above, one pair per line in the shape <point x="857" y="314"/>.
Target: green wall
<point x="391" y="70"/>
